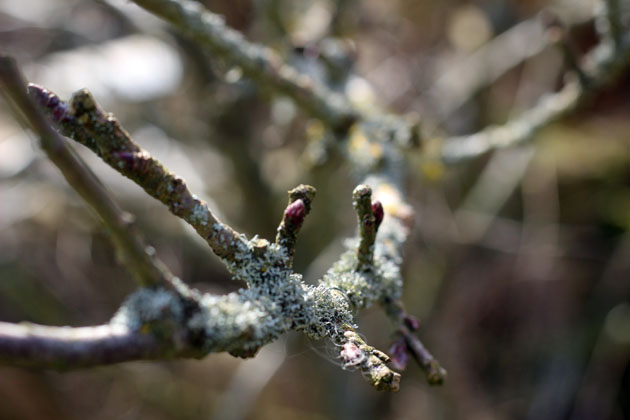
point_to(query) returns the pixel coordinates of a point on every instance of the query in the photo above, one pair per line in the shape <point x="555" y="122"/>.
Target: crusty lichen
<point x="277" y="300"/>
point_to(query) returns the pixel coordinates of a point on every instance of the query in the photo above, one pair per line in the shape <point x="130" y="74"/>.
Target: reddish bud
<point x="378" y="212"/>
<point x="411" y="322"/>
<point x="295" y="212"/>
<point x="50" y="100"/>
<point x="399" y="354"/>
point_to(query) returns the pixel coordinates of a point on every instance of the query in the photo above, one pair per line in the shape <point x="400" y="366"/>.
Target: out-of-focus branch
<point x="409" y="344"/>
<point x="518" y="130"/>
<point x="61" y="348"/>
<point x="257" y="62"/>
<point x="467" y="76"/>
<point x="140" y="261"/>
<point x="464" y="79"/>
<point x="611" y="25"/>
<point x="85" y="122"/>
<point x="601" y="66"/>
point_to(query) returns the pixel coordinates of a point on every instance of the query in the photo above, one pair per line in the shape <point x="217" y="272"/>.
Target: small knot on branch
<point x="82" y="104"/>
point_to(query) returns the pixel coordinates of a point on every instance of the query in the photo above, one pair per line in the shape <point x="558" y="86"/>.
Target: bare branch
<point x="60" y="348"/>
<point x="257" y="62"/>
<point x="84" y="121"/>
<point x="609" y="24"/>
<point x="142" y="264"/>
<point x="558" y="33"/>
<point x="436" y="374"/>
<point x="601" y="65"/>
<point x="368" y="224"/>
<point x="408" y="343"/>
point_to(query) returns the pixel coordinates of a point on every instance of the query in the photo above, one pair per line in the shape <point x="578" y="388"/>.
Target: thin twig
<point x="85" y="122"/>
<point x="140" y="261"/>
<point x="367" y="222"/>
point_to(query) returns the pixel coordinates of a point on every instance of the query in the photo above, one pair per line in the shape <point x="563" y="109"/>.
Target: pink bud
<point x="351" y="355"/>
<point x="58" y="108"/>
<point x="377" y="210"/>
<point x="295" y="212"/>
<point x="399" y="354"/>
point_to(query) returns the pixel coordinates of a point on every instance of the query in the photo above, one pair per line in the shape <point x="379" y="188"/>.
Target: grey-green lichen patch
<point x="365" y="287"/>
<point x="330" y="310"/>
<point x="276" y="301"/>
<point x="199" y="214"/>
<point x="148" y="306"/>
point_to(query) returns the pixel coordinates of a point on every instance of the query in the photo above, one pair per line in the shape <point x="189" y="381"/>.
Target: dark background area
<point x="519" y="262"/>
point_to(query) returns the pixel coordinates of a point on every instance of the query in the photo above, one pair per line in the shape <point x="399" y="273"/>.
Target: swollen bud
<point x="45" y="98"/>
<point x="377" y="210"/>
<point x="295" y="212"/>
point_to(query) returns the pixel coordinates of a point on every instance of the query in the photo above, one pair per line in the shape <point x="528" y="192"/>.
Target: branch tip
<point x="356" y="353"/>
<point x="370" y="216"/>
<point x="303" y="192"/>
<point x="300" y="199"/>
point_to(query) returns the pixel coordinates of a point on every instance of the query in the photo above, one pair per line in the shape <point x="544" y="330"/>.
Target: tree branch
<point x="142" y="264"/>
<point x="601" y="66"/>
<point x="257" y="62"/>
<point x="85" y="122"/>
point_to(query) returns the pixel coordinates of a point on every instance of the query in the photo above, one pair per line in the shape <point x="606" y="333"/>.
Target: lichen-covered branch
<point x="356" y="353"/>
<point x="257" y="62"/>
<point x="370" y="215"/>
<point x="299" y="206"/>
<point x="85" y="122"/>
<point x="131" y="250"/>
<point x="276" y="299"/>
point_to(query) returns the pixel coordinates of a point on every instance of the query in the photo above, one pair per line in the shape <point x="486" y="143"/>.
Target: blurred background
<point x="518" y="266"/>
